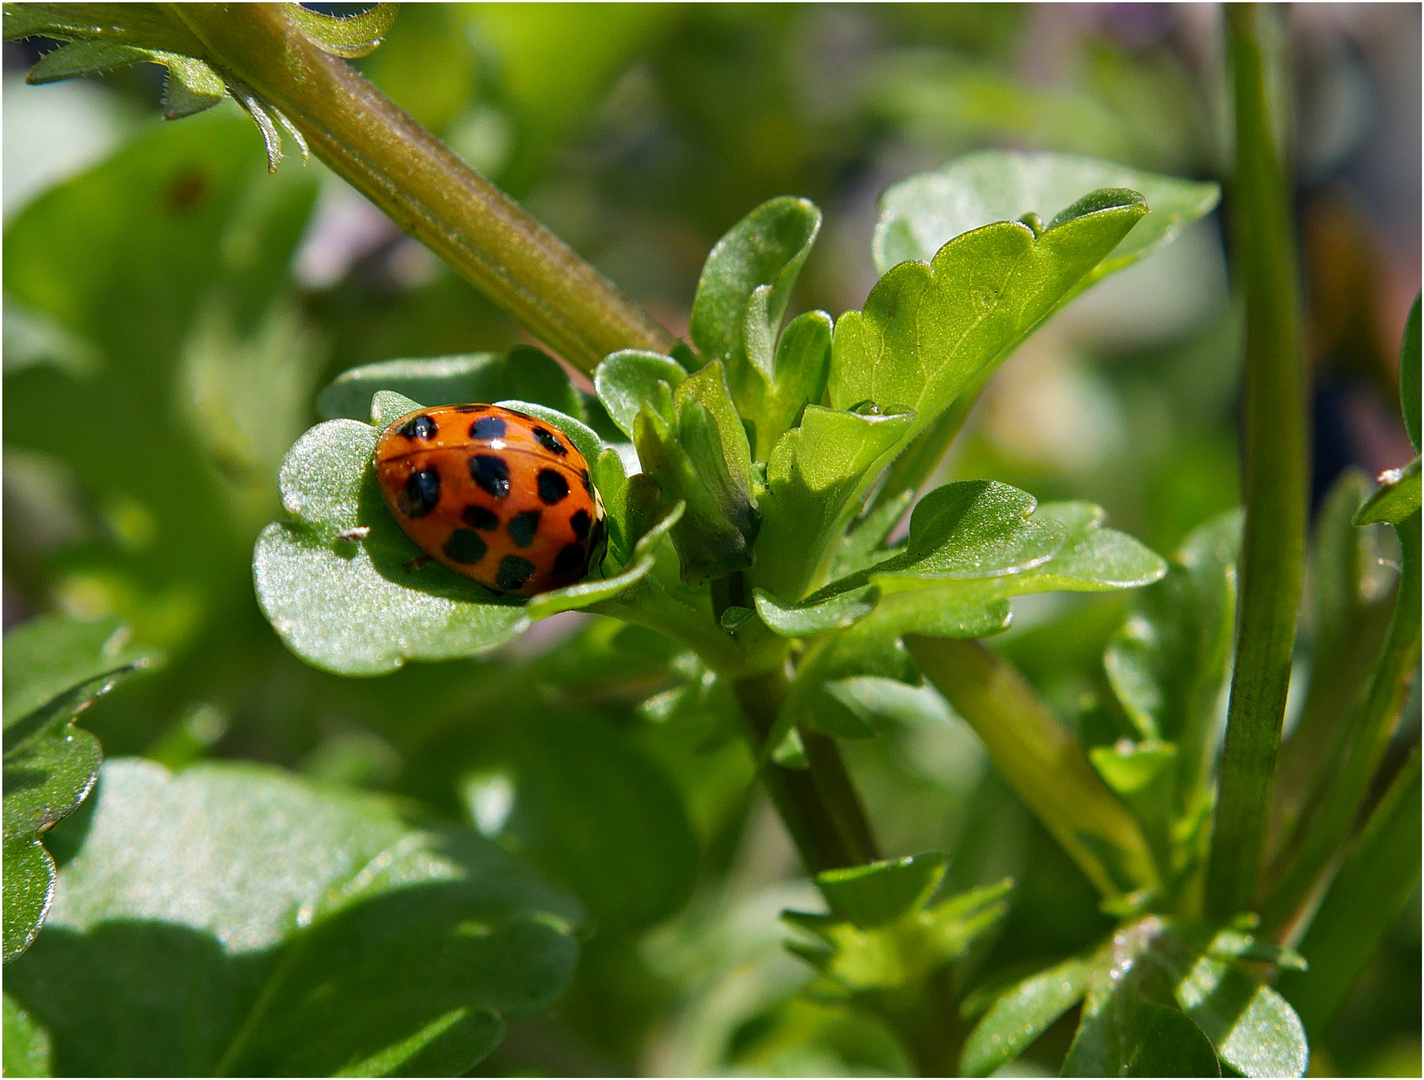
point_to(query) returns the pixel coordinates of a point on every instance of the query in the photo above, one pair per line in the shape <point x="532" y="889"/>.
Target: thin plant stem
<point x="483" y="234"/>
<point x="1275" y="474"/>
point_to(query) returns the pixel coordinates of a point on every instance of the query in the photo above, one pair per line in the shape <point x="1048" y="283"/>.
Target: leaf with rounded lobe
<point x="1395" y="499"/>
<point x="351" y="36"/>
<point x="767" y="248"/>
<point x="920" y="214"/>
<point x="929" y="331"/>
<point x="813" y="477"/>
<point x="1021" y="1014"/>
<point x="625" y="380"/>
<point x="808" y="619"/>
<point x="27" y="1045"/>
<point x="523" y="372"/>
<point x="1409" y="351"/>
<point x="55" y="667"/>
<point x="233" y="919"/>
<point x="353" y="601"/>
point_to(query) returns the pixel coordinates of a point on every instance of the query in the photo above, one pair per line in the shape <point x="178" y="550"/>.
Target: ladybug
<point x="495" y="494"/>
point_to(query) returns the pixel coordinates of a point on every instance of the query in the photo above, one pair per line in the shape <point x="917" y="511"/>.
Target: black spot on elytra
<point x="420" y="494"/>
<point x="465" y="547"/>
<point x="491" y="473"/>
<point x="552" y="486"/>
<point x="587" y="481"/>
<point x="513" y="572"/>
<point x="570" y="560"/>
<point x="422" y="427"/>
<point x="488" y="427"/>
<point x="477" y="517"/>
<point x="580" y="523"/>
<point x="471" y="408"/>
<point x="522" y="527"/>
<point x="550" y="442"/>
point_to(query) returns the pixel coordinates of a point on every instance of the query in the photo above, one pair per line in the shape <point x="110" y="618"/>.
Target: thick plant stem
<point x="1323" y="833"/>
<point x="482" y="233"/>
<point x="1274" y="483"/>
<point x="1042" y="761"/>
<point x="819" y="806"/>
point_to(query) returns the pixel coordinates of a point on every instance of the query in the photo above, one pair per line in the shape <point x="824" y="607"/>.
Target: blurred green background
<point x="170" y="311"/>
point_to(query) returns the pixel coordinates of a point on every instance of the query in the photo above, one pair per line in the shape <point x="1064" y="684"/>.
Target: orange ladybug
<point x="495" y="494"/>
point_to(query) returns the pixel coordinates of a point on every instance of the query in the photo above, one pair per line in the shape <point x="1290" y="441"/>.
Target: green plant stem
<point x="1275" y="479"/>
<point x="483" y="234"/>
<point x="818" y="804"/>
<point x="1321" y="835"/>
<point x="1042" y="761"/>
<point x="1372" y="887"/>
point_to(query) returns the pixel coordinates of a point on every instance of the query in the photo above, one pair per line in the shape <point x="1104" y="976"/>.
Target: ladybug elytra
<point x="495" y="494"/>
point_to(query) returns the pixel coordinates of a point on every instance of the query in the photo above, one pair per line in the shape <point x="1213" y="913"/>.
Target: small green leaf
<point x="523" y="373"/>
<point x="813" y="479"/>
<point x="920" y="214"/>
<point x="352" y="36"/>
<point x="771" y="405"/>
<point x="1409" y="374"/>
<point x="192" y="87"/>
<point x="700" y="455"/>
<point x="881" y="892"/>
<point x="808" y="619"/>
<point x="1021" y="1014"/>
<point x="232" y="920"/>
<point x="1398" y="496"/>
<point x="928" y="332"/>
<point x="147" y="26"/>
<point x="627" y="379"/>
<point x="85" y="58"/>
<point x="27" y="1045"/>
<point x="55" y="668"/>
<point x="766" y="250"/>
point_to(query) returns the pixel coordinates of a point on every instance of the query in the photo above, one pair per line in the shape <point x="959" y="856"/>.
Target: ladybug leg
<point x="417" y="562"/>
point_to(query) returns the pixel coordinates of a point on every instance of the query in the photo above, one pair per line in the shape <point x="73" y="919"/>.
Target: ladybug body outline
<point x="496" y="495"/>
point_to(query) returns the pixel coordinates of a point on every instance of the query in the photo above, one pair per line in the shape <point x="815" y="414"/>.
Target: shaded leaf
<point x="920" y="214"/>
<point x="1021" y="1014"/>
<point x="927" y="332"/>
<point x="55" y="667"/>
<point x="232" y="919"/>
<point x="881" y="892"/>
<point x="27" y="1045"/>
<point x="522" y="373"/>
<point x="85" y="58"/>
<point x="351" y="36"/>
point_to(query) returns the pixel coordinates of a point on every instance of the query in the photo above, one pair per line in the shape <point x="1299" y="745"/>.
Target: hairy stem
<point x="1275" y="471"/>
<point x="483" y="234"/>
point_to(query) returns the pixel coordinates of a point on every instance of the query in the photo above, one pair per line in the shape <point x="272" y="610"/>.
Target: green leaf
<point x="1398" y="496"/>
<point x="352" y="36"/>
<point x="27" y="1045"/>
<point x="881" y="892"/>
<point x="699" y="455"/>
<point x="523" y="373"/>
<point x="54" y="669"/>
<point x="192" y="87"/>
<point x="1169" y="662"/>
<point x="85" y="58"/>
<point x="595" y="813"/>
<point x="143" y="25"/>
<point x="928" y="332"/>
<point x="232" y="920"/>
<point x="1409" y="374"/>
<point x="746" y="284"/>
<point x="626" y="379"/>
<point x="806" y="620"/>
<point x="1369" y="891"/>
<point x="771" y="404"/>
<point x="813" y="478"/>
<point x="1021" y="1014"/>
<point x="920" y="214"/>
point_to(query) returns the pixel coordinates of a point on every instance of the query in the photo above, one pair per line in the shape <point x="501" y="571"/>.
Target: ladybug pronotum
<point x="494" y="494"/>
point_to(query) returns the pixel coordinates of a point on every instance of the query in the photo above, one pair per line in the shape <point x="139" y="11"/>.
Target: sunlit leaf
<point x="351" y="36"/>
